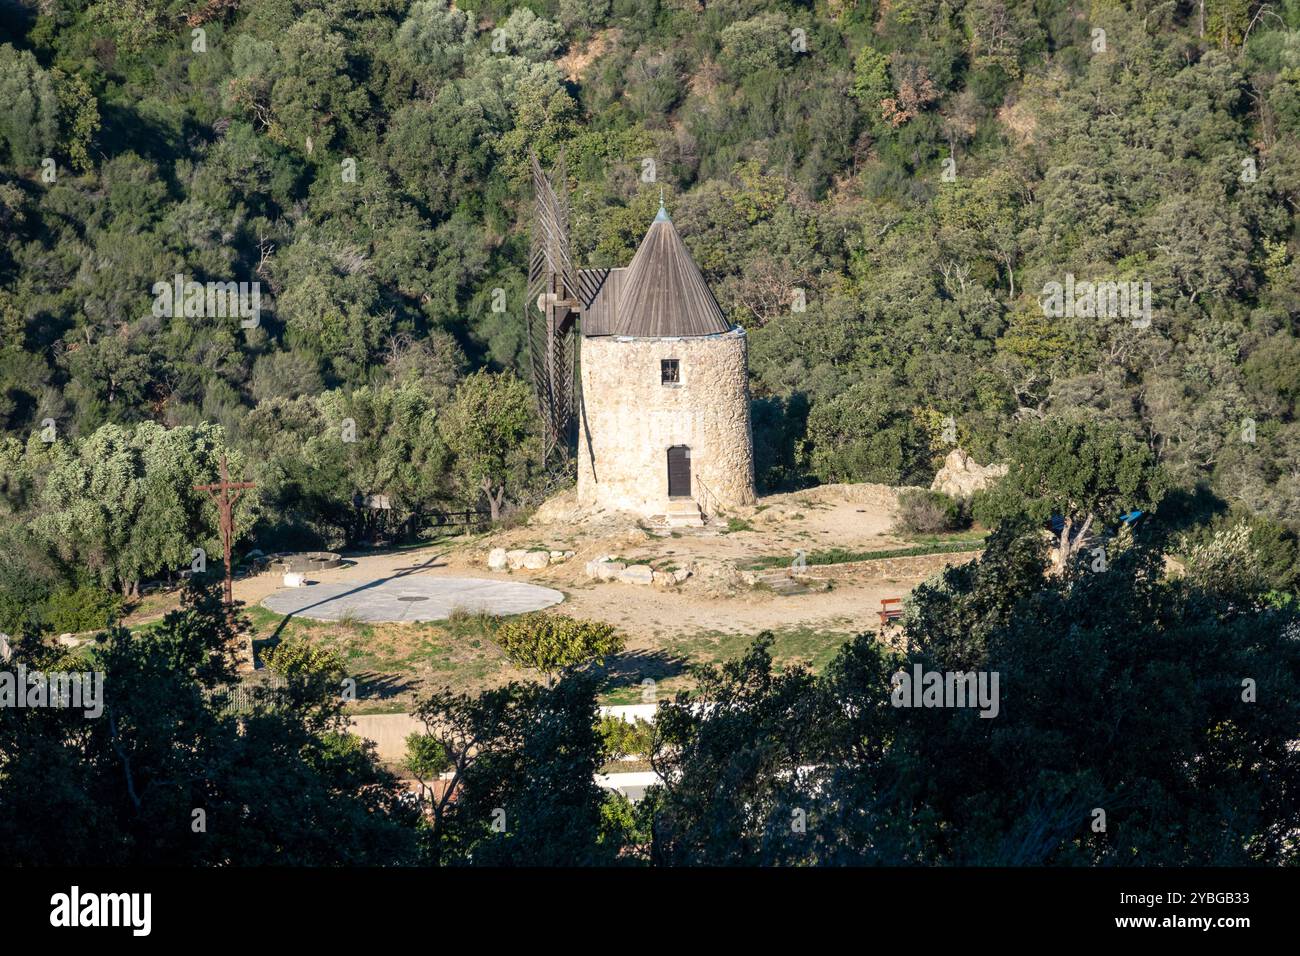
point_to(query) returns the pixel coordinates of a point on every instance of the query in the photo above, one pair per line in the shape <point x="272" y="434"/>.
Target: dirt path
<point x="710" y="616"/>
<point x="851" y="517"/>
<point x="646" y="613"/>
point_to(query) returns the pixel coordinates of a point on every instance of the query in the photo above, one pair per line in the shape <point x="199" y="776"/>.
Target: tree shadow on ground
<point x="372" y="685"/>
<point x="630" y="668"/>
<point x="274" y="638"/>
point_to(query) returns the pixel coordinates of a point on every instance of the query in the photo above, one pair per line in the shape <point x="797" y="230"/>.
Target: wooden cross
<point x="221" y="493"/>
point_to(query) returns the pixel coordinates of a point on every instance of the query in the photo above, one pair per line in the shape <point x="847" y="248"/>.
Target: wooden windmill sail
<point x="551" y="308"/>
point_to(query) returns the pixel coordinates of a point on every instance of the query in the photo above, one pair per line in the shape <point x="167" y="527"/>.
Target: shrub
<point x="82" y="608"/>
<point x="551" y="643"/>
<point x="927" y="512"/>
<point x="1273" y="551"/>
<point x="988" y="507"/>
<point x="313" y="674"/>
<point x="426" y="756"/>
<point x="626" y="738"/>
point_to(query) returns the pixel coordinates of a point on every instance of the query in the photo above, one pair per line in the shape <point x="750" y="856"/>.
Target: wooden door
<point x="679" y="472"/>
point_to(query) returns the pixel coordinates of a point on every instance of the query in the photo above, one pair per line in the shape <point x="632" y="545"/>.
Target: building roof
<point x="661" y="293"/>
<point x="598" y="289"/>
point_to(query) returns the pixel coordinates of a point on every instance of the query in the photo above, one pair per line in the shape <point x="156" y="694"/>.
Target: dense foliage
<point x="1137" y="720"/>
<point x="168" y="773"/>
<point x="882" y="193"/>
<point x="879" y="193"/>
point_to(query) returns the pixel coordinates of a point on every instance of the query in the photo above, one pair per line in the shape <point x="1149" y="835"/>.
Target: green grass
<point x="402" y="660"/>
<point x="461" y="652"/>
<point x="844" y="556"/>
<point x="975" y="538"/>
<point x="738" y="524"/>
<point x="812" y="647"/>
<point x="396" y="663"/>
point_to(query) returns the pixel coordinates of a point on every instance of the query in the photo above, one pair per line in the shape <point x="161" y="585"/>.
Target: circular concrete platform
<point x="410" y="598"/>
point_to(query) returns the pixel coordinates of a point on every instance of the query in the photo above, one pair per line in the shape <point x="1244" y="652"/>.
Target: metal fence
<point x="239" y="698"/>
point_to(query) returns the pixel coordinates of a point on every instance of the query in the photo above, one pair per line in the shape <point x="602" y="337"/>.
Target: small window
<point x="670" y="371"/>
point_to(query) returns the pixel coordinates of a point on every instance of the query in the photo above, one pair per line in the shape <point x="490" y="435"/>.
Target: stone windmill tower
<point x="662" y="415"/>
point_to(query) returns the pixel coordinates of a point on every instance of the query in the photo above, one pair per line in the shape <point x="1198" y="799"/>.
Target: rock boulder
<point x="637" y="574"/>
<point x="604" y="569"/>
<point x="961" y="475"/>
<point x="536" y="560"/>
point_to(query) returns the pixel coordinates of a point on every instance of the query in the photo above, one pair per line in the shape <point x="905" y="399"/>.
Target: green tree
<point x="537" y="803"/>
<point x="459" y="731"/>
<point x="791" y="769"/>
<point x="871" y="83"/>
<point x="517" y="765"/>
<point x="29" y="125"/>
<point x="121" y="503"/>
<point x="382" y="441"/>
<point x="1081" y="472"/>
<point x="861" y="434"/>
<point x="79" y="118"/>
<point x="762" y="42"/>
<point x="314" y="99"/>
<point x="434" y="38"/>
<point x="732" y="785"/>
<point x="490" y="426"/>
<point x="555" y="644"/>
<point x="583" y="14"/>
<point x="530" y="36"/>
<point x="165" y="776"/>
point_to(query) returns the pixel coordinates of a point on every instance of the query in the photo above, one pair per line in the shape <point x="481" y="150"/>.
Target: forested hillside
<point x="900" y="200"/>
<point x="915" y="171"/>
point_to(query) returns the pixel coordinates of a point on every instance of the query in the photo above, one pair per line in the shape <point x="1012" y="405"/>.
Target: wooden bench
<point x="891" y="609"/>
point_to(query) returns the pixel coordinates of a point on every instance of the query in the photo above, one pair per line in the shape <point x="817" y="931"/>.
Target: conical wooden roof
<point x="662" y="292"/>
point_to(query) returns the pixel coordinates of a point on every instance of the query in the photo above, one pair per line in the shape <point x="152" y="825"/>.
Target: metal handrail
<point x="703" y="499"/>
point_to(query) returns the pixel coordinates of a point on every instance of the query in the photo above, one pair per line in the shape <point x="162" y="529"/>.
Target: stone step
<point x="684" y="513"/>
<point x="682" y="517"/>
<point x="781" y="583"/>
<point x="685" y="521"/>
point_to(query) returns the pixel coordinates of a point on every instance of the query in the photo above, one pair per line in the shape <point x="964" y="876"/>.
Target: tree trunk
<point x="1070" y="544"/>
<point x="1083" y="533"/>
<point x="494" y="500"/>
<point x="125" y="761"/>
<point x="1063" y="547"/>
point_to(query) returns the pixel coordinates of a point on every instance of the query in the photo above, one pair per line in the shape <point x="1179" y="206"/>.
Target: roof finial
<point x="663" y="213"/>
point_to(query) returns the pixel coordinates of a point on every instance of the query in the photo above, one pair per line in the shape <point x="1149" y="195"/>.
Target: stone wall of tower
<point x="628" y="420"/>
